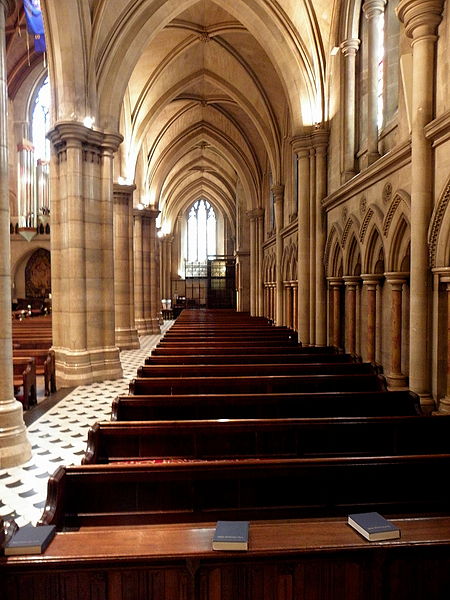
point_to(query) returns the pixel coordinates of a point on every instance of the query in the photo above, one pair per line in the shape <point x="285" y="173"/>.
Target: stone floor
<point x="57" y="430"/>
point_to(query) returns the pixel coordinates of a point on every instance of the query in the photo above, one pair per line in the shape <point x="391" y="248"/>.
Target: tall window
<point x="40" y="119"/>
<point x="201" y="232"/>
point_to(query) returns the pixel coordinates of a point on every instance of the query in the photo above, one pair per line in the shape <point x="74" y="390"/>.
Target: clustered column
<point x="421" y="19"/>
<point x="373" y="10"/>
<point x="444" y="403"/>
<point x="335" y="285"/>
<point x="256" y="255"/>
<point x="126" y="333"/>
<point x="395" y="377"/>
<point x="14" y="446"/>
<point x="371" y="282"/>
<point x="351" y="284"/>
<point x="83" y="254"/>
<point x="278" y="191"/>
<point x="349" y="49"/>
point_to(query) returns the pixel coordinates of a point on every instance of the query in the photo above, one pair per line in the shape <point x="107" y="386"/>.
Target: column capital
<point x="320" y="138"/>
<point x="74" y="132"/>
<point x="335" y="281"/>
<point x="396" y="279"/>
<point x="420" y="17"/>
<point x="150" y="213"/>
<point x="8" y="6"/>
<point x="352" y="280"/>
<point x="119" y="188"/>
<point x="255" y="213"/>
<point x="350" y="46"/>
<point x="373" y="8"/>
<point x="369" y="279"/>
<point x="278" y="191"/>
<point x="301" y="145"/>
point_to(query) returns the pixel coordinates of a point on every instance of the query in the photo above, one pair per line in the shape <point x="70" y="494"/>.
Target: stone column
<point x="301" y="147"/>
<point x="349" y="49"/>
<point x="253" y="263"/>
<point x="320" y="141"/>
<point x="370" y="282"/>
<point x="166" y="242"/>
<point x="395" y="377"/>
<point x="155" y="284"/>
<point x="444" y="403"/>
<point x="259" y="248"/>
<point x="82" y="254"/>
<point x="138" y="274"/>
<point x="335" y="286"/>
<point x="126" y="333"/>
<point x="373" y="10"/>
<point x="146" y="276"/>
<point x="351" y="283"/>
<point x="14" y="446"/>
<point x="421" y="19"/>
<point x="278" y="192"/>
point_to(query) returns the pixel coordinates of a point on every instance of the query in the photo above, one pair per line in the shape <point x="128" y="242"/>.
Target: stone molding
<point x="420" y="17"/>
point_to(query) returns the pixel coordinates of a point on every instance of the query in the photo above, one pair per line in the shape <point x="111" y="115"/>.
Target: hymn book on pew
<point x="30" y="540"/>
<point x="373" y="526"/>
<point x="231" y="535"/>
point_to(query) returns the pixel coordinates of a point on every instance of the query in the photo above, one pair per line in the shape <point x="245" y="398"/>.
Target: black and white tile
<point x="59" y="436"/>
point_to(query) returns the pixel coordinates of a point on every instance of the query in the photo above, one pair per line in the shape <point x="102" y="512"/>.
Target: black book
<point x="231" y="535"/>
<point x="373" y="526"/>
<point x="30" y="540"/>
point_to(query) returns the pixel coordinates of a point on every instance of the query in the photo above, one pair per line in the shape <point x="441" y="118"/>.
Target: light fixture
<point x="89" y="122"/>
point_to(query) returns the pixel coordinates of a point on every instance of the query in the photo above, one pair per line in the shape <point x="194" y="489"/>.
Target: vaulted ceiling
<point x="205" y="93"/>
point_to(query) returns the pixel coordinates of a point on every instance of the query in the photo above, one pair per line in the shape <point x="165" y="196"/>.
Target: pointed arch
<point x="439" y="231"/>
<point x="352" y="257"/>
<point x="374" y="255"/>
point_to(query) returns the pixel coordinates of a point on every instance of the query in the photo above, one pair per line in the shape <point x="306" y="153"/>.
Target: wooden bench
<point x="242" y="349"/>
<point x="266" y="438"/>
<point x="311" y="559"/>
<point x="196" y="491"/>
<point x="238" y="370"/>
<point x="258" y="384"/>
<point x="241" y="359"/>
<point x="264" y="406"/>
<point x="24" y="374"/>
<point x="45" y="365"/>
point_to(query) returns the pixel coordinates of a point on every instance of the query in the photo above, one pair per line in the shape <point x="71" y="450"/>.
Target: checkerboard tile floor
<point x="59" y="437"/>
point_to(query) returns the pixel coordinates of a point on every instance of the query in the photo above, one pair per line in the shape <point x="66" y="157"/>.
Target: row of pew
<point x="232" y="418"/>
<point x="33" y="357"/>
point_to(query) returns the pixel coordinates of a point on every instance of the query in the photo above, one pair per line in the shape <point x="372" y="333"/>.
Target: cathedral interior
<point x="289" y="159"/>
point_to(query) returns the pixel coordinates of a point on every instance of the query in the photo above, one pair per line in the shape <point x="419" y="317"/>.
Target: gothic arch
<point x="352" y="257"/>
<point x="399" y="248"/>
<point x="439" y="231"/>
<point x="374" y="252"/>
<point x="333" y="259"/>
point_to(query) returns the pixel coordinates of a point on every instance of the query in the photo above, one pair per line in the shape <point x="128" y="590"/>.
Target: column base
<point x="15" y="449"/>
<point x="127" y="339"/>
<point x="397" y="381"/>
<point x="443" y="406"/>
<point x="141" y="326"/>
<point x="82" y="367"/>
<point x="427" y="403"/>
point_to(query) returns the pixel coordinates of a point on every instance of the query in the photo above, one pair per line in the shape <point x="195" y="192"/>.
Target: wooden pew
<point x="241" y="359"/>
<point x="243" y="349"/>
<point x="257" y="384"/>
<point x="311" y="559"/>
<point x="196" y="491"/>
<point x="264" y="406"/>
<point x="24" y="374"/>
<point x="45" y="365"/>
<point x="116" y="441"/>
<point x="238" y="370"/>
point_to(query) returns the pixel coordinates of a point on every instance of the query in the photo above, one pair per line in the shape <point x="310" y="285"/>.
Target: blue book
<point x="30" y="540"/>
<point x="373" y="526"/>
<point x="231" y="535"/>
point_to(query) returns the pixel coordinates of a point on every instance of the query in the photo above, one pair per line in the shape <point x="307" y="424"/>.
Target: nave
<point x="59" y="437"/>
